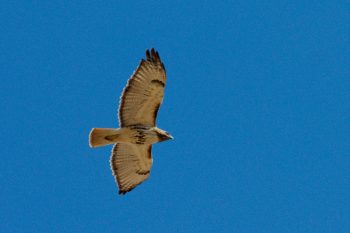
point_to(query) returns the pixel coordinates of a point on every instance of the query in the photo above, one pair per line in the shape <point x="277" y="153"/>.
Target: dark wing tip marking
<point x="153" y="56"/>
<point x="148" y="55"/>
<point x="123" y="192"/>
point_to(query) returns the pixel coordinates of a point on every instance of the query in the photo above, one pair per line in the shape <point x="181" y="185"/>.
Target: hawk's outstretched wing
<point x="144" y="92"/>
<point x="131" y="165"/>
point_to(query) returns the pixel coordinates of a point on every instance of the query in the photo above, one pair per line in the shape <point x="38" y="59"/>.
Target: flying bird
<point x="131" y="158"/>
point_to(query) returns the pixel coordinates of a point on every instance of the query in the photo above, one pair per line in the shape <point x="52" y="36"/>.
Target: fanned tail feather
<point x="100" y="136"/>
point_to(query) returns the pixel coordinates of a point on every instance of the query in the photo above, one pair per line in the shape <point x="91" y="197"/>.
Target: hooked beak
<point x="170" y="137"/>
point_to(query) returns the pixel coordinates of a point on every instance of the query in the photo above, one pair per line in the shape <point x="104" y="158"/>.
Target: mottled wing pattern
<point x="143" y="93"/>
<point x="131" y="165"/>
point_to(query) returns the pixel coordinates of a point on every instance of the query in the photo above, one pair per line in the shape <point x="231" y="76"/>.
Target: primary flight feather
<point x="131" y="159"/>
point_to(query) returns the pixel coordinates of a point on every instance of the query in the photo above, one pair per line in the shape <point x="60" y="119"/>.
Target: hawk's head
<point x="163" y="135"/>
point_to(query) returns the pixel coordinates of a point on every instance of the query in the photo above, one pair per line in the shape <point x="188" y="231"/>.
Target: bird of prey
<point x="131" y="158"/>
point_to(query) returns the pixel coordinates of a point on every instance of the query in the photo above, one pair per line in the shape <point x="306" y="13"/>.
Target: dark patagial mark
<point x="155" y="112"/>
<point x="150" y="152"/>
<point x="158" y="82"/>
<point x="139" y="126"/>
<point x="122" y="102"/>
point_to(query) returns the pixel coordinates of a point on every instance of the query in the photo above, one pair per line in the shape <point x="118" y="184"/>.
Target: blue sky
<point x="257" y="98"/>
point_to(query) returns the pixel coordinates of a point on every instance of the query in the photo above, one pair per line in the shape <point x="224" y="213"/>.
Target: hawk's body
<point x="131" y="159"/>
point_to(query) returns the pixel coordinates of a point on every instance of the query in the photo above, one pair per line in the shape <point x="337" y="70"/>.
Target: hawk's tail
<point x="102" y="136"/>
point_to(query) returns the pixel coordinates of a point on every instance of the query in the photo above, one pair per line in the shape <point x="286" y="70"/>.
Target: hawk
<point x="131" y="158"/>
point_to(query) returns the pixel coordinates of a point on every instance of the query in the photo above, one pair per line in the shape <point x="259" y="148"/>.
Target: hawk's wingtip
<point x="148" y="54"/>
<point x="153" y="56"/>
<point x="122" y="192"/>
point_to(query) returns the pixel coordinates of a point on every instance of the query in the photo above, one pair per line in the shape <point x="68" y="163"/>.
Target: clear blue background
<point x="257" y="98"/>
